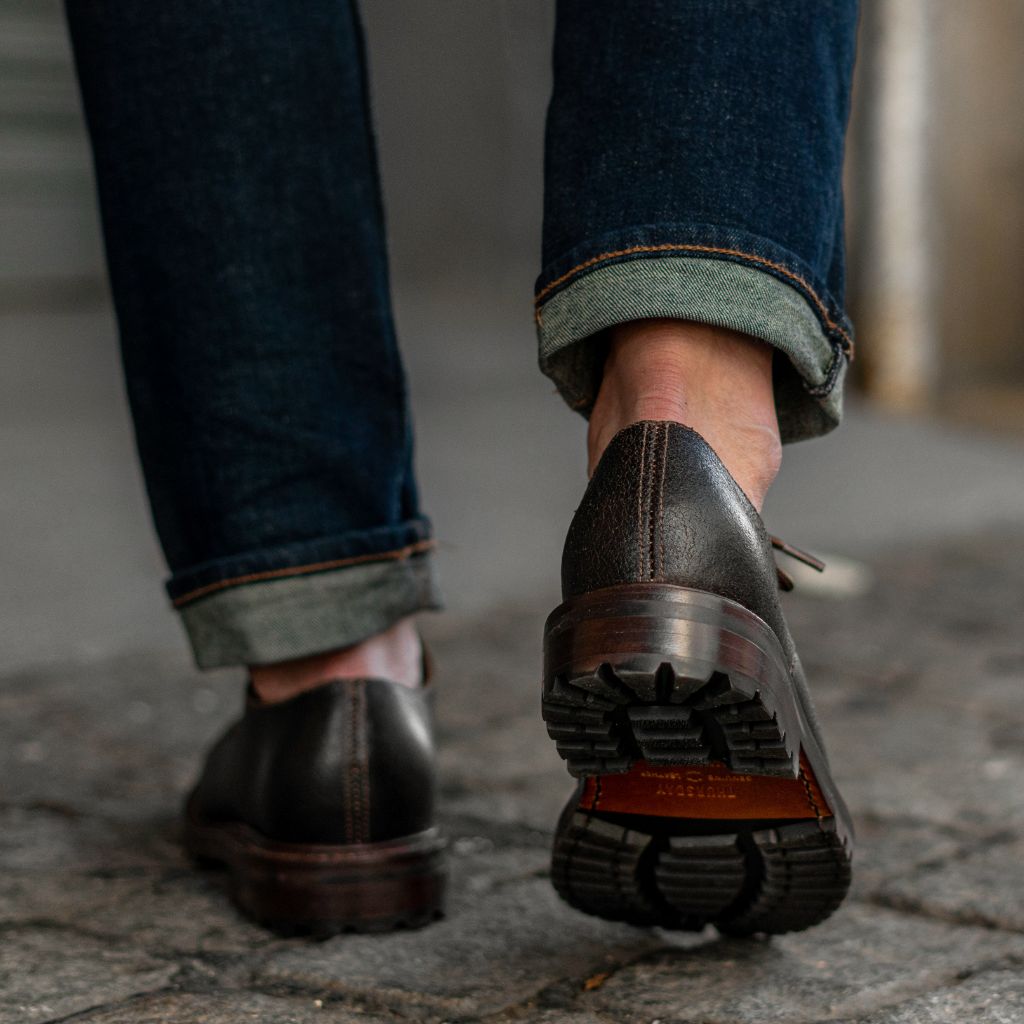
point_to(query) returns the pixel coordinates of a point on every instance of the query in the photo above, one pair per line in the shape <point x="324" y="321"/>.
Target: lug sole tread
<point x="603" y="722"/>
<point x="769" y="881"/>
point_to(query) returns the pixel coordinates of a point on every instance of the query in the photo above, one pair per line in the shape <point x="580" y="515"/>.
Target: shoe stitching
<point x="818" y="304"/>
<point x="317" y="853"/>
<point x="302" y="570"/>
<point x="359" y="767"/>
<point x="651" y="517"/>
<point x="641" y="574"/>
<point x="819" y="817"/>
<point x="661" y="502"/>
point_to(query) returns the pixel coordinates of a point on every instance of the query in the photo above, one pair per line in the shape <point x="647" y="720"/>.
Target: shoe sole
<point x="767" y="880"/>
<point x="320" y="889"/>
<point x="644" y="679"/>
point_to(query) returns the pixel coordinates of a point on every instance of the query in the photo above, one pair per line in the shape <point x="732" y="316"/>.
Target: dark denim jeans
<point x="694" y="150"/>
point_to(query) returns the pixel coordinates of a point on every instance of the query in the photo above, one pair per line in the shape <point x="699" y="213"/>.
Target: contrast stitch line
<point x="360" y="763"/>
<point x="640" y="508"/>
<point x="680" y="247"/>
<point x="652" y="518"/>
<point x="661" y="503"/>
<point x="302" y="570"/>
<point x="810" y="799"/>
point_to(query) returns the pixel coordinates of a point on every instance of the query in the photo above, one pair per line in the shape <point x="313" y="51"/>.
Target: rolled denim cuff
<point x="312" y="605"/>
<point x="291" y="618"/>
<point x="742" y="296"/>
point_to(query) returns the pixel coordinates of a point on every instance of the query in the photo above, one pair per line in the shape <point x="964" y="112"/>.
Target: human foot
<point x="396" y="654"/>
<point x="715" y="380"/>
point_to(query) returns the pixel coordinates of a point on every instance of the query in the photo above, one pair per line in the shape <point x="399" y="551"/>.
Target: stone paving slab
<point x="858" y="961"/>
<point x="991" y="997"/>
<point x="918" y="682"/>
<point x="49" y="973"/>
<point x="229" y="1008"/>
<point x="494" y="954"/>
<point x="984" y="886"/>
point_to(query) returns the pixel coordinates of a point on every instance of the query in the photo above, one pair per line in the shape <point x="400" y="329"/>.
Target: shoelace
<point x="785" y="580"/>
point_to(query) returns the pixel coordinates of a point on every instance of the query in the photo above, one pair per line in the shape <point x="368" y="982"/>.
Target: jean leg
<point x="245" y="243"/>
<point x="693" y="170"/>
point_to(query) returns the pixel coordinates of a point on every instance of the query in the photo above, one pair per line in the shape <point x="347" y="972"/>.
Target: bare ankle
<point x="395" y="654"/>
<point x="713" y="379"/>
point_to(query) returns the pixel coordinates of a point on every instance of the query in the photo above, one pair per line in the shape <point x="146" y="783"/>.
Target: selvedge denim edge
<point x="726" y="293"/>
<point x="295" y="616"/>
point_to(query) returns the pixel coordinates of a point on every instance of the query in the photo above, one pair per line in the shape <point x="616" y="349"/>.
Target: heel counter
<point x="355" y="766"/>
<point x="661" y="507"/>
<point x="401" y="773"/>
<point x="715" y="538"/>
<point x="615" y="535"/>
<point x="299" y="753"/>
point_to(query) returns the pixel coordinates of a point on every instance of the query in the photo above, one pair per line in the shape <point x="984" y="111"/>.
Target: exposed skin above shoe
<point x="321" y="808"/>
<point x="673" y="689"/>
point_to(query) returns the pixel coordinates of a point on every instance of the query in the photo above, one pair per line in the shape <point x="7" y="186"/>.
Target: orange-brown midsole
<point x="705" y="791"/>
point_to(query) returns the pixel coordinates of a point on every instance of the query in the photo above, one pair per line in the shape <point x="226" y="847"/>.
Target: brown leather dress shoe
<point x="673" y="690"/>
<point x="321" y="808"/>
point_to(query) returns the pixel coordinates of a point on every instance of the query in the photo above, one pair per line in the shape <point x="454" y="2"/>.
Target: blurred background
<point x="933" y="442"/>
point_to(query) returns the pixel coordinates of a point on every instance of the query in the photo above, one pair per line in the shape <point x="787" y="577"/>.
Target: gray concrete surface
<point x="103" y="721"/>
<point x="103" y="920"/>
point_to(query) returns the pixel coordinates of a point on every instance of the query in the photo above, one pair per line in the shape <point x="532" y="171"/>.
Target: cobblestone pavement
<point x="919" y="682"/>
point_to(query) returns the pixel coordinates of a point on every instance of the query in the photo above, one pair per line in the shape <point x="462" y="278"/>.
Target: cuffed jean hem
<point x="295" y="616"/>
<point x="740" y="296"/>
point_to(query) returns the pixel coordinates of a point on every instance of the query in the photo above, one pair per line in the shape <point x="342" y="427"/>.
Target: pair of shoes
<point x="673" y="690"/>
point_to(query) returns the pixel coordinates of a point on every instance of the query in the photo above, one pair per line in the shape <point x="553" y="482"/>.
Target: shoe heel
<point x="298" y="889"/>
<point x="670" y="676"/>
<point x="744" y="881"/>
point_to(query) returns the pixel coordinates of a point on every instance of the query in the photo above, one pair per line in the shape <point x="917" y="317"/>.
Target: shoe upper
<point x="662" y="508"/>
<point x="351" y="761"/>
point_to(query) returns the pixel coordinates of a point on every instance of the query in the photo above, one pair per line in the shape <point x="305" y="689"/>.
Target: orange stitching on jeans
<point x="671" y="247"/>
<point x="302" y="570"/>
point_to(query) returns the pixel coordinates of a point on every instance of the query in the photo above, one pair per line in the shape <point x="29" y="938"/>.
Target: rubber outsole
<point x="667" y="675"/>
<point x="642" y="677"/>
<point x="744" y="881"/>
<point x="605" y="721"/>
